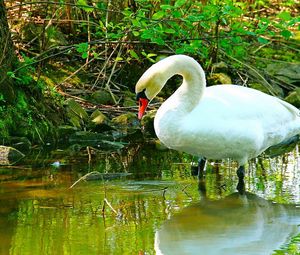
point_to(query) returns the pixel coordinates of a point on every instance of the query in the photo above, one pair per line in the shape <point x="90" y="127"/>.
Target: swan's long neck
<point x="173" y="111"/>
<point x="188" y="95"/>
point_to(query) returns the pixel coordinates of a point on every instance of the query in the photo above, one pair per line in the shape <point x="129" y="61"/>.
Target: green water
<point x="158" y="209"/>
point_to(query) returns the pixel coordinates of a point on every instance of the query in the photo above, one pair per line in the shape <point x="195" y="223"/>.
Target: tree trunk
<point x="7" y="57"/>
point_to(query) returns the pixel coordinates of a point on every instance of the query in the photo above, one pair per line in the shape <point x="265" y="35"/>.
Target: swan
<point x="216" y="122"/>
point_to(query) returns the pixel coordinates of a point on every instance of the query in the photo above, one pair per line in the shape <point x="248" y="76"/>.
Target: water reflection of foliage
<point x="276" y="178"/>
<point x="50" y="217"/>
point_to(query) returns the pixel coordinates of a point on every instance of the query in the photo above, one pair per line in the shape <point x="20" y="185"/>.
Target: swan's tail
<point x="283" y="147"/>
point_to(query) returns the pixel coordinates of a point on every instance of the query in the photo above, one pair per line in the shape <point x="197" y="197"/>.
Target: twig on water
<point x="83" y="178"/>
<point x="109" y="205"/>
<point x="88" y="148"/>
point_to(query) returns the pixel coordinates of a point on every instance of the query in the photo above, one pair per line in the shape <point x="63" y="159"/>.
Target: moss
<point x="4" y="133"/>
<point x="27" y="118"/>
<point x="55" y="73"/>
<point x="219" y="78"/>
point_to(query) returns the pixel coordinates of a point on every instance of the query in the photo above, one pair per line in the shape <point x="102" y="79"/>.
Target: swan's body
<point x="217" y="122"/>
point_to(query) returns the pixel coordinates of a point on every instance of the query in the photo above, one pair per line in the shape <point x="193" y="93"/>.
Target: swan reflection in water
<point x="237" y="224"/>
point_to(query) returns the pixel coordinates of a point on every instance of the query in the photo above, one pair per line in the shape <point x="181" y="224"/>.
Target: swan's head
<point x="147" y="87"/>
<point x="153" y="80"/>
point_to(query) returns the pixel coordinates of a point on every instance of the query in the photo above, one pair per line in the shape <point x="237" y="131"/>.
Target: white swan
<point x="217" y="122"/>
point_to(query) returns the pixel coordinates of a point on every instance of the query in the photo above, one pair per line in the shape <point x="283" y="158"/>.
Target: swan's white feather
<point x="222" y="121"/>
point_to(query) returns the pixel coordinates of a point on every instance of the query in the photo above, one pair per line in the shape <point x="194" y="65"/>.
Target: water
<point x="159" y="208"/>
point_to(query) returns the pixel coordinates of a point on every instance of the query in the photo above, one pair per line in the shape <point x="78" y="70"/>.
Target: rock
<point x="125" y="119"/>
<point x="101" y="97"/>
<point x="219" y="78"/>
<point x="265" y="86"/>
<point x="77" y="115"/>
<point x="9" y="155"/>
<point x="98" y="118"/>
<point x="52" y="35"/>
<point x="278" y="91"/>
<point x="99" y="122"/>
<point x="127" y="122"/>
<point x="260" y="87"/>
<point x="287" y="72"/>
<point x="20" y="143"/>
<point x="219" y="67"/>
<point x="294" y="97"/>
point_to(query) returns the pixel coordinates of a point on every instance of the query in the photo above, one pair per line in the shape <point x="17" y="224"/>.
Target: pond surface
<point x="148" y="203"/>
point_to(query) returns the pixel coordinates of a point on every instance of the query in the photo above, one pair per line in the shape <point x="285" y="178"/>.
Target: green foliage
<point x="26" y="117"/>
<point x="117" y="33"/>
<point x="83" y="49"/>
<point x="24" y="72"/>
<point x="84" y="5"/>
<point x="290" y="249"/>
<point x="192" y="27"/>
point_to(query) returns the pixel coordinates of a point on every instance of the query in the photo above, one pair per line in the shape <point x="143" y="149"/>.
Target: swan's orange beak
<point x="143" y="103"/>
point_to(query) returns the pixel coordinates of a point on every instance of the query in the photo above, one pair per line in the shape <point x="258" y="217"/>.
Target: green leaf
<point x="262" y="40"/>
<point x="95" y="55"/>
<point x="11" y="74"/>
<point x="176" y="14"/>
<point x="166" y="7"/>
<point x="135" y="33"/>
<point x="179" y="3"/>
<point x="158" y="15"/>
<point x="135" y="22"/>
<point x="149" y="57"/>
<point x="158" y="41"/>
<point x="286" y="16"/>
<point x="194" y="18"/>
<point x="84" y="55"/>
<point x="236" y="39"/>
<point x="170" y="31"/>
<point x="127" y="12"/>
<point x="286" y="34"/>
<point x="239" y="51"/>
<point x="118" y="59"/>
<point x="82" y="47"/>
<point x="84" y="5"/>
<point x="147" y="34"/>
<point x="205" y="25"/>
<point x="134" y="54"/>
